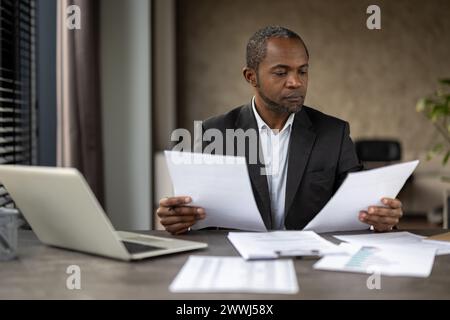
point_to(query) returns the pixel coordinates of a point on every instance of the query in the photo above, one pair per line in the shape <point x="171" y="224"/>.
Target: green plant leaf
<point x="437" y="148"/>
<point x="437" y="111"/>
<point x="436" y="107"/>
<point x="445" y="159"/>
<point x="426" y="105"/>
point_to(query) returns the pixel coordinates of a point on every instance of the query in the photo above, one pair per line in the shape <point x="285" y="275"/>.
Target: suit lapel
<point x="245" y="121"/>
<point x="301" y="143"/>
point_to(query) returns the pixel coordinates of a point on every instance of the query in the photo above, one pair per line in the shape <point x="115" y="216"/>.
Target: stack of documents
<point x="392" y="254"/>
<point x="233" y="274"/>
<point x="272" y="245"/>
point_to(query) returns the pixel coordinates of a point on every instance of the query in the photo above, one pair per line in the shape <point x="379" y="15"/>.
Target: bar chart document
<point x="359" y="191"/>
<point x="219" y="184"/>
<point x="395" y="238"/>
<point x="234" y="274"/>
<point x="410" y="261"/>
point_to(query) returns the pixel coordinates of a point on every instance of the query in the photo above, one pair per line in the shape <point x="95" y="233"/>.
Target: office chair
<point x="378" y="150"/>
<point x="378" y="153"/>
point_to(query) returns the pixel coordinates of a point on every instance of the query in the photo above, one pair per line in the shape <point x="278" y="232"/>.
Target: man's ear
<point x="250" y="76"/>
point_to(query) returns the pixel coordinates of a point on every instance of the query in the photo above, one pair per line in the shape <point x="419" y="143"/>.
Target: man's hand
<point x="176" y="217"/>
<point x="383" y="218"/>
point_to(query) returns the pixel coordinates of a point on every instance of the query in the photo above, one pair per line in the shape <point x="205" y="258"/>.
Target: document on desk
<point x="234" y="274"/>
<point x="219" y="184"/>
<point x="276" y="244"/>
<point x="401" y="238"/>
<point x="359" y="191"/>
<point x="412" y="261"/>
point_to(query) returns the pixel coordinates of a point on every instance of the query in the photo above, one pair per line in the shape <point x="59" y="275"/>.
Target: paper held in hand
<point x="359" y="191"/>
<point x="219" y="184"/>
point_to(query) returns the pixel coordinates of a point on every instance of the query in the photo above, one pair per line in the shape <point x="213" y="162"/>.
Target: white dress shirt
<point x="275" y="147"/>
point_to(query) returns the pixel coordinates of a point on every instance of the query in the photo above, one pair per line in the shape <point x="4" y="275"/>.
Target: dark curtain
<point x="79" y="138"/>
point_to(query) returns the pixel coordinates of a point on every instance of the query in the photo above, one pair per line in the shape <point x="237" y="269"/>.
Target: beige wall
<point x="370" y="78"/>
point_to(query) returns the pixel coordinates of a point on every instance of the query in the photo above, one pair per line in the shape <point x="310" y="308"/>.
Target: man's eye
<point x="303" y="72"/>
<point x="280" y="74"/>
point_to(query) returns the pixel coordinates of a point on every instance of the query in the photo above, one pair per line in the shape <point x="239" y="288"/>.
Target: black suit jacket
<point x="321" y="153"/>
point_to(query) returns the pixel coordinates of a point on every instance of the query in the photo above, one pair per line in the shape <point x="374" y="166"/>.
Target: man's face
<point x="282" y="76"/>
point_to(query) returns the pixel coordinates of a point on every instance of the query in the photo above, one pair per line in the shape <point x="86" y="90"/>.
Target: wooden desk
<point x="40" y="273"/>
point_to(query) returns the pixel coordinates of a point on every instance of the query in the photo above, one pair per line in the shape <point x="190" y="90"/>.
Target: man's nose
<point x="294" y="81"/>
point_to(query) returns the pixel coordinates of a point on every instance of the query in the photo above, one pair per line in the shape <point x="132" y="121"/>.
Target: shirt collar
<point x="263" y="125"/>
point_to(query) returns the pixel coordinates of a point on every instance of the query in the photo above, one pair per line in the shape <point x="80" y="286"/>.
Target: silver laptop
<point x="63" y="212"/>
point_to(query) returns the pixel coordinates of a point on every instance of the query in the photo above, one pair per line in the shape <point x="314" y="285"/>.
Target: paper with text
<point x="234" y="274"/>
<point x="359" y="191"/>
<point x="219" y="184"/>
<point x="272" y="245"/>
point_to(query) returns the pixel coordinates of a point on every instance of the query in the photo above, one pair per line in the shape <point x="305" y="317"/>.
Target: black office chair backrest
<point x="378" y="150"/>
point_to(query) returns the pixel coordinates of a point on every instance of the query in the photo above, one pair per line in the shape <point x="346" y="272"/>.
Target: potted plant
<point x="436" y="108"/>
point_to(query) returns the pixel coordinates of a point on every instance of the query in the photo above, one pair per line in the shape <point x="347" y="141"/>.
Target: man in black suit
<point x="313" y="151"/>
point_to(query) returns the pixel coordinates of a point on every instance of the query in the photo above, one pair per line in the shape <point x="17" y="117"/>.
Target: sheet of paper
<point x="219" y="184"/>
<point x="401" y="237"/>
<point x="443" y="247"/>
<point x="272" y="245"/>
<point x="234" y="274"/>
<point x="359" y="191"/>
<point x="412" y="261"/>
<point x="395" y="238"/>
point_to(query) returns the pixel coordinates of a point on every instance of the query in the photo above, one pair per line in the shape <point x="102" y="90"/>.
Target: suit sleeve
<point x="348" y="160"/>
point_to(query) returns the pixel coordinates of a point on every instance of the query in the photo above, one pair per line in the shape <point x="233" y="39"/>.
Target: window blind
<point x="17" y="85"/>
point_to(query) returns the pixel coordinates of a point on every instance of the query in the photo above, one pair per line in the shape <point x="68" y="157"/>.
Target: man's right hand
<point x="176" y="216"/>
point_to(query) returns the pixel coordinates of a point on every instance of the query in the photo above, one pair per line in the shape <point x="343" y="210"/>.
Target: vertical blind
<point x="17" y="85"/>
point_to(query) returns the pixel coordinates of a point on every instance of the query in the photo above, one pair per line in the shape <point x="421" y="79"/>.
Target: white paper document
<point x="412" y="261"/>
<point x="359" y="191"/>
<point x="395" y="238"/>
<point x="443" y="247"/>
<point x="219" y="184"/>
<point x="272" y="245"/>
<point x="234" y="274"/>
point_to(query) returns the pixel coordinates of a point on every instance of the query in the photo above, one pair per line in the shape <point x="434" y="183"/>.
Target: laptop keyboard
<point x="133" y="247"/>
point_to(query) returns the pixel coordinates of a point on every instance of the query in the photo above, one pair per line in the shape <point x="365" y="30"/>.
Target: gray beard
<point x="272" y="105"/>
<point x="275" y="107"/>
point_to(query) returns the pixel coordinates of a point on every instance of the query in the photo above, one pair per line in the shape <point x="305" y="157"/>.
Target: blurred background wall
<point x="371" y="78"/>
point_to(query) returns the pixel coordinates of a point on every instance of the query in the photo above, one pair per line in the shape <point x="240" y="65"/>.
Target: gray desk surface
<point x="40" y="273"/>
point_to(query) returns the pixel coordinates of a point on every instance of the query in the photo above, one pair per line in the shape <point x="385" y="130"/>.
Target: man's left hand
<point x="383" y="218"/>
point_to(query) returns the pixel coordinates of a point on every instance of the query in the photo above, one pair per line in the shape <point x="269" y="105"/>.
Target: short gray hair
<point x="257" y="48"/>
